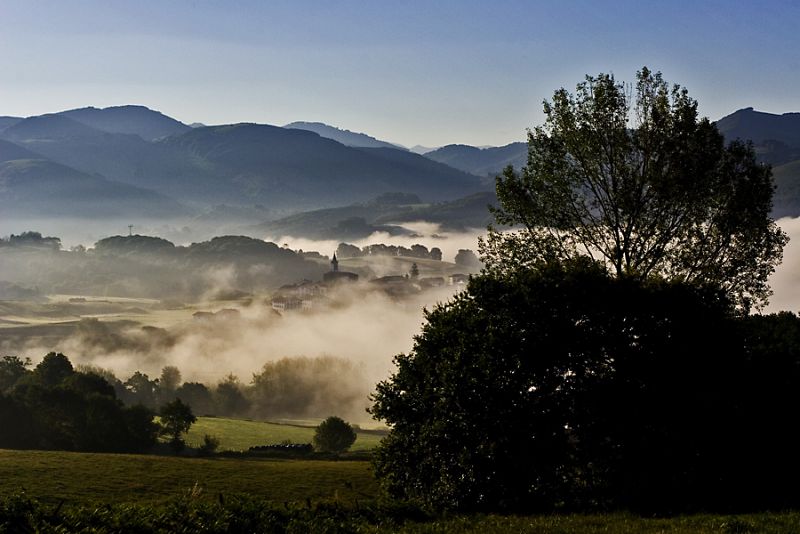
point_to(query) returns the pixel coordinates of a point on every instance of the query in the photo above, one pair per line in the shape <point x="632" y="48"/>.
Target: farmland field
<point x="85" y="478"/>
<point x="238" y="435"/>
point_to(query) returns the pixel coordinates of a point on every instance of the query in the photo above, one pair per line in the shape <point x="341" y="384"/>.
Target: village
<point x="308" y="294"/>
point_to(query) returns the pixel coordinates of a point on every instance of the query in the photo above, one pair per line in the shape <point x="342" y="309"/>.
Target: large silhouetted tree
<point x="565" y="386"/>
<point x="605" y="356"/>
<point x="633" y="177"/>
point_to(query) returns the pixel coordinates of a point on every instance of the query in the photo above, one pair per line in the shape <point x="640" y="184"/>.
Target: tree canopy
<point x="565" y="387"/>
<point x="633" y="177"/>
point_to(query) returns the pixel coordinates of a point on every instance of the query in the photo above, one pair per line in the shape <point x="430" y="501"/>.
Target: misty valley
<point x="232" y="312"/>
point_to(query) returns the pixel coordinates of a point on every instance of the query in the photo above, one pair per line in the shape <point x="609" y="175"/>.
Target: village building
<point x="283" y="304"/>
<point x="431" y="281"/>
<point x="397" y="286"/>
<point x="457" y="279"/>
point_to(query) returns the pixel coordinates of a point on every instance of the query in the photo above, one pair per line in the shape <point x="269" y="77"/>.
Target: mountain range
<point x="134" y="161"/>
<point x="285" y="169"/>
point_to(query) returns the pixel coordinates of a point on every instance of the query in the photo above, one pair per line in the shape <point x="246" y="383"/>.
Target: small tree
<point x="170" y="380"/>
<point x="334" y="435"/>
<point x="209" y="446"/>
<point x="414" y="270"/>
<point x="176" y="419"/>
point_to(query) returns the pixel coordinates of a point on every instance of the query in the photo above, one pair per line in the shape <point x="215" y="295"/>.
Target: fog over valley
<point x="206" y="248"/>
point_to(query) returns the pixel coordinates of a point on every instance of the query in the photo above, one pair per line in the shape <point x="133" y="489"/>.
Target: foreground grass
<point x="244" y="514"/>
<point x="130" y="493"/>
<point x="239" y="435"/>
<point x="767" y="523"/>
<point x="83" y="478"/>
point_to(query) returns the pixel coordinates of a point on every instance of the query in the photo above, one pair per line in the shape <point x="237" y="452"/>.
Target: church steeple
<point x="335" y="263"/>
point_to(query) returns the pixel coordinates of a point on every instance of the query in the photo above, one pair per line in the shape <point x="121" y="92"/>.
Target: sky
<point x="411" y="72"/>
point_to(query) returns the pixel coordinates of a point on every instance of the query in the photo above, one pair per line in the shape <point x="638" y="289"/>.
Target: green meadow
<point x="239" y="435"/>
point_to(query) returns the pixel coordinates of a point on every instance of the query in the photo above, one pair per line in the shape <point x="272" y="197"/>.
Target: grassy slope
<point x="237" y="435"/>
<point x="117" y="478"/>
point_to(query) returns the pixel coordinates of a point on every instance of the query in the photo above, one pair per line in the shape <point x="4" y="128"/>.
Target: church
<point x="334" y="276"/>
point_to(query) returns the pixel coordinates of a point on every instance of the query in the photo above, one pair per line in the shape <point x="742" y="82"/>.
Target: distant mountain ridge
<point x="32" y="186"/>
<point x="240" y="164"/>
<point x="138" y="120"/>
<point x="358" y="221"/>
<point x="761" y="127"/>
<point x="152" y="158"/>
<point x="481" y="161"/>
<point x="345" y="137"/>
<point x="281" y="166"/>
<point x="6" y="121"/>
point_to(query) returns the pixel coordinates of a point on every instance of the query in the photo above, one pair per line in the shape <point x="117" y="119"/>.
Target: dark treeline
<point x="31" y="239"/>
<point x="143" y="266"/>
<point x="464" y="258"/>
<point x="346" y="250"/>
<point x="55" y="406"/>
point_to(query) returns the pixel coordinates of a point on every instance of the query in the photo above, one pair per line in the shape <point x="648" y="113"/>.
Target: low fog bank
<point x="362" y="327"/>
<point x="785" y="282"/>
<point x="424" y="233"/>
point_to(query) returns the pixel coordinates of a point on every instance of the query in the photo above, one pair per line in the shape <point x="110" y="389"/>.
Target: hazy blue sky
<point x="427" y="72"/>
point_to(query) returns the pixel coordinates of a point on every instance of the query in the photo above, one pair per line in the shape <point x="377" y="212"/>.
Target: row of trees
<point x="31" y="239"/>
<point x="464" y="257"/>
<point x="606" y="356"/>
<point x="346" y="250"/>
<point x="289" y="387"/>
<point x="142" y="266"/>
<point x="55" y="407"/>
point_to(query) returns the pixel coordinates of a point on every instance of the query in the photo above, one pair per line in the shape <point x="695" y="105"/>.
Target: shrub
<point x="334" y="435"/>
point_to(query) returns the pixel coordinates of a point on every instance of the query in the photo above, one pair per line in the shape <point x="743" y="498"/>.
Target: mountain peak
<point x="138" y="120"/>
<point x="760" y="126"/>
<point x="345" y="137"/>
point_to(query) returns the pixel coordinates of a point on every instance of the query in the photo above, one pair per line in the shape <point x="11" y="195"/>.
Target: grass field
<point x="129" y="482"/>
<point x="239" y="435"/>
<point x="85" y="478"/>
